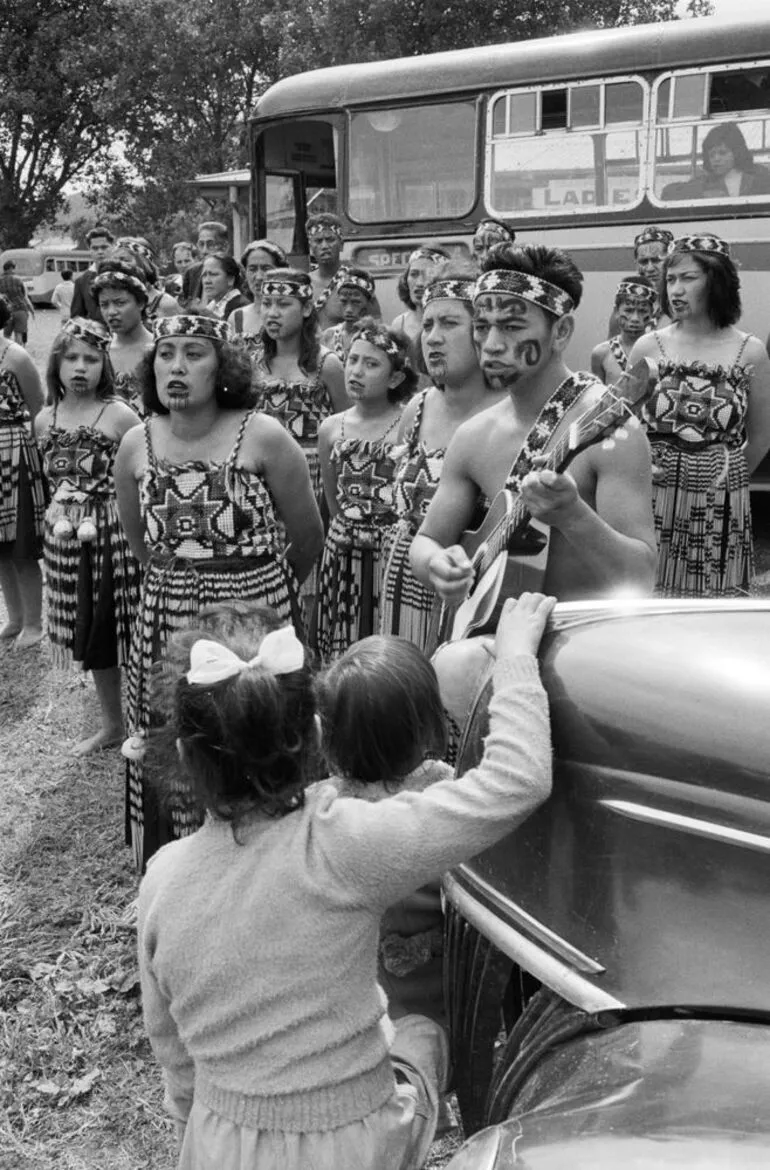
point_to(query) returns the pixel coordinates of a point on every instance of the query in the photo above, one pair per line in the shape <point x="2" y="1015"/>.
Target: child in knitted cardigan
<point x="258" y="935"/>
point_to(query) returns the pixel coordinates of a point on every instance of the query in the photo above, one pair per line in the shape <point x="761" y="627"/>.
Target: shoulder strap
<point x="617" y="351"/>
<point x="236" y="320"/>
<point x="414" y="433"/>
<point x="101" y="412"/>
<point x="148" y="445"/>
<point x="663" y="353"/>
<point x="233" y="457"/>
<point x="563" y="397"/>
<point x="744" y="343"/>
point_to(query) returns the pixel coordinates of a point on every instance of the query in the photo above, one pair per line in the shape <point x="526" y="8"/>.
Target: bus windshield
<point x="412" y="163"/>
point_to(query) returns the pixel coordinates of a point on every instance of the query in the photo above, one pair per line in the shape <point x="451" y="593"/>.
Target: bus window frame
<point x="422" y="227"/>
<point x="726" y="205"/>
<point x="554" y="215"/>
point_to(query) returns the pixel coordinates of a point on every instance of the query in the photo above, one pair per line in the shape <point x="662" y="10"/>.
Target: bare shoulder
<point x="43" y="421"/>
<point x="754" y="352"/>
<point x="601" y="350"/>
<point x="645" y="347"/>
<point x="18" y="360"/>
<point x="330" y="428"/>
<point x="121" y="415"/>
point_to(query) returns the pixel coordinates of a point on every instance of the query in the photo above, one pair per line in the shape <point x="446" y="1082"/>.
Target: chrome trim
<point x="555" y="974"/>
<point x="541" y="933"/>
<point x="569" y="614"/>
<point x="699" y="828"/>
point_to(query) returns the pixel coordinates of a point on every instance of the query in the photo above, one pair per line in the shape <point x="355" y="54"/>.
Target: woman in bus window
<point x="424" y="265"/>
<point x="729" y="169"/>
<point x="708" y="421"/>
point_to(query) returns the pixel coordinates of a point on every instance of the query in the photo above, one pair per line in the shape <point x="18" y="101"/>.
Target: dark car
<point x="608" y="964"/>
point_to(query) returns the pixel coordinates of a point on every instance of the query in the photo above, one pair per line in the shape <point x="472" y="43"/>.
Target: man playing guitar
<point x="600" y="514"/>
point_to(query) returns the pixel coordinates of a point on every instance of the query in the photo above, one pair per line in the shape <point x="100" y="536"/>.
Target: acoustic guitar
<point x="509" y="549"/>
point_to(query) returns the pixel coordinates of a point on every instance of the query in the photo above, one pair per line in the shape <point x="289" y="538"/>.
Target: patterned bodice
<point x="695" y="404"/>
<point x="78" y="464"/>
<point x="13" y="409"/>
<point x="365" y="472"/>
<point x="205" y="511"/>
<point x="418" y="474"/>
<point x="299" y="406"/>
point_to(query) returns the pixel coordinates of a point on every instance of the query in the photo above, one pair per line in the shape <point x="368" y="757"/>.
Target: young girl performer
<point x="92" y="580"/>
<point x="355" y="289"/>
<point x="201" y="488"/>
<point x="265" y="1063"/>
<point x="22" y="493"/>
<point x="428" y="423"/>
<point x="708" y="421"/>
<point x="634" y="311"/>
<point x="358" y="463"/>
<point x="121" y="295"/>
<point x="299" y="382"/>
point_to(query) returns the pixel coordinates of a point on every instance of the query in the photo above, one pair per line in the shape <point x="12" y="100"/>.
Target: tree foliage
<point x="132" y="98"/>
<point x="60" y="101"/>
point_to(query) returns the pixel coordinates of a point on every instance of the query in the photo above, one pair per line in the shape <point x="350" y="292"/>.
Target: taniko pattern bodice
<point x="696" y="404"/>
<point x="13" y="408"/>
<point x="418" y="474"/>
<point x="365" y="471"/>
<point x="201" y="511"/>
<point x="79" y="463"/>
<point x="300" y="406"/>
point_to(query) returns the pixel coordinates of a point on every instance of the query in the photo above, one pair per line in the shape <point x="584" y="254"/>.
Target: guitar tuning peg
<point x="608" y="444"/>
<point x="621" y="433"/>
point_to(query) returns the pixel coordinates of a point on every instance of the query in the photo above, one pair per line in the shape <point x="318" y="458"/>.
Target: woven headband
<point x="189" y="325"/>
<point x="117" y="279"/>
<point x="632" y="288"/>
<point x="379" y="338"/>
<point x="701" y="244"/>
<point x="135" y="246"/>
<point x="273" y="250"/>
<point x="653" y="235"/>
<point x="287" y="286"/>
<point x="345" y="279"/>
<point x="459" y="289"/>
<point x="90" y="332"/>
<point x="317" y="229"/>
<point x="426" y="254"/>
<point x="530" y="288"/>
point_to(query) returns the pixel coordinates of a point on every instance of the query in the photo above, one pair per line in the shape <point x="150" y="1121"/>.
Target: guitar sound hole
<point x="527" y="542"/>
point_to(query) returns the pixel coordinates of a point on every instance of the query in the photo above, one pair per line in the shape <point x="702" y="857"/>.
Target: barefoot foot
<point x="11" y="630"/>
<point x="106" y="737"/>
<point x="29" y="636"/>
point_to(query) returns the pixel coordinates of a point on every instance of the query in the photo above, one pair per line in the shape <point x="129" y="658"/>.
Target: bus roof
<point x="600" y="52"/>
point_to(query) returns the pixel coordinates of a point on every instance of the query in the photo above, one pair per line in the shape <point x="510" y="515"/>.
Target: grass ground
<point x="79" y="1089"/>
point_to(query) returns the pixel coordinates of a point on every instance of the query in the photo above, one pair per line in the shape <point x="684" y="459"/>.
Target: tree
<point x="61" y="98"/>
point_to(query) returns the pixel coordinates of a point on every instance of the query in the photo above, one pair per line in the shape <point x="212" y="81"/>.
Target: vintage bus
<point x="41" y="268"/>
<point x="575" y="141"/>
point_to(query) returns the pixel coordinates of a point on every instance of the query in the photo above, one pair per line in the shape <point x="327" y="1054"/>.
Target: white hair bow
<point x="281" y="652"/>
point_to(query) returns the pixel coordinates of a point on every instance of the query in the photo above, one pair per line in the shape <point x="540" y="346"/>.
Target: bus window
<point x="566" y="150"/>
<point x="412" y="163"/>
<point x="716" y="148"/>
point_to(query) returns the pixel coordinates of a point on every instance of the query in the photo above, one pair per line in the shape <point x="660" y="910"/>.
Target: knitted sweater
<point x="258" y="960"/>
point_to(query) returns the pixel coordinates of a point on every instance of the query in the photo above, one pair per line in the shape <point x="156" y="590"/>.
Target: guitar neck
<point x="557" y="460"/>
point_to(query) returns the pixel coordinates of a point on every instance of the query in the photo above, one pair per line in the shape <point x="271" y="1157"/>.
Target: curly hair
<point x="249" y="743"/>
<point x="549" y="264"/>
<point x="381" y="711"/>
<point x="400" y="362"/>
<point x="232" y="389"/>
<point x="105" y="388"/>
<point x="723" y="285"/>
<point x="147" y="270"/>
<point x="128" y="267"/>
